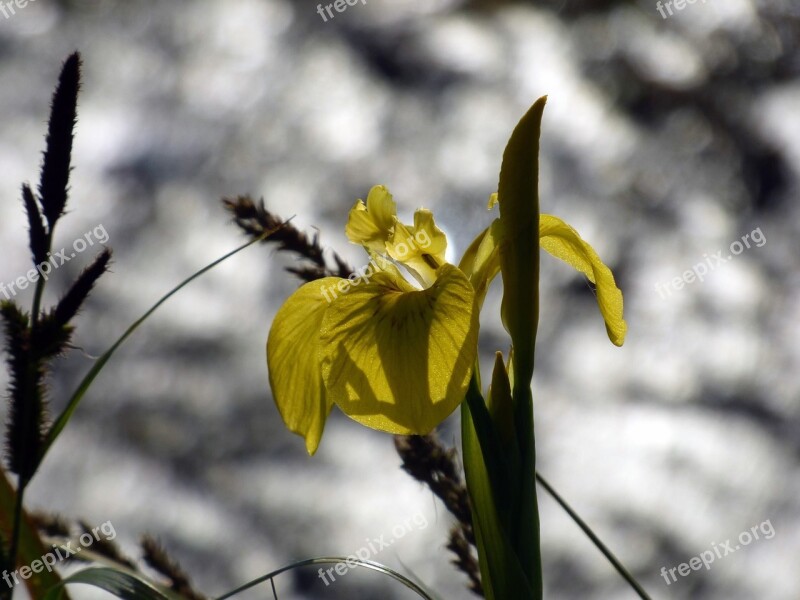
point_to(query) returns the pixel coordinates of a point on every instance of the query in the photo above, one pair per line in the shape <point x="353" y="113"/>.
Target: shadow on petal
<point x="398" y="359"/>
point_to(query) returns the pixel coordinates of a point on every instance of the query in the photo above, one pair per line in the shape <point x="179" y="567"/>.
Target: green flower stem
<point x="527" y="539"/>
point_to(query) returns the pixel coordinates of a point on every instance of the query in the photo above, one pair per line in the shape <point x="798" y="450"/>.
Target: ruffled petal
<point x="421" y="248"/>
<point x="372" y="224"/>
<point x="428" y="236"/>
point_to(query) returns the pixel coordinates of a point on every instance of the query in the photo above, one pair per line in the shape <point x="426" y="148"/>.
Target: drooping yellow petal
<point x="399" y="359"/>
<point x="563" y="242"/>
<point x="293" y="360"/>
<point x="372" y="224"/>
<point x="420" y="248"/>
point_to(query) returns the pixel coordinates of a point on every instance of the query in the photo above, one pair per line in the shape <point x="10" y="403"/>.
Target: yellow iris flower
<point x="392" y="356"/>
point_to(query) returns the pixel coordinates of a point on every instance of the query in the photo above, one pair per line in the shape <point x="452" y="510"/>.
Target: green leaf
<point x="30" y="545"/>
<point x="518" y="192"/>
<point x="501" y="409"/>
<point x="123" y="584"/>
<point x="502" y="574"/>
<point x="518" y="195"/>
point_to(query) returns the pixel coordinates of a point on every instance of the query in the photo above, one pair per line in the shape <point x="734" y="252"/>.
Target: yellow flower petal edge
<point x="372" y="224"/>
<point x="420" y="248"/>
<point x="481" y="261"/>
<point x="398" y="359"/>
<point x="428" y="236"/>
<point x="563" y="242"/>
<point x="293" y="362"/>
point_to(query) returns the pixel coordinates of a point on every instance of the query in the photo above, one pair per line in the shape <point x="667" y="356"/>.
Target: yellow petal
<point x="372" y="224"/>
<point x="293" y="361"/>
<point x="428" y="236"/>
<point x="563" y="242"/>
<point x="399" y="359"/>
<point x="493" y="199"/>
<point x="420" y="248"/>
<point x="481" y="261"/>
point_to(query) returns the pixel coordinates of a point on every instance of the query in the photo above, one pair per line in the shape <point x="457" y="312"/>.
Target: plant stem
<point x="87" y="381"/>
<point x="596" y="540"/>
<point x="12" y="553"/>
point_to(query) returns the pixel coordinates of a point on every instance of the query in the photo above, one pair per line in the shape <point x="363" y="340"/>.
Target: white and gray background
<point x="664" y="140"/>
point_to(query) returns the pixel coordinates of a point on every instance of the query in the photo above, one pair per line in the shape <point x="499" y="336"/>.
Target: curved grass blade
<point x="329" y="560"/>
<point x="123" y="584"/>
<point x="87" y="381"/>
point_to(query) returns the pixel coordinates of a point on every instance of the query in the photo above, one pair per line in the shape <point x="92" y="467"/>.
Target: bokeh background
<point x="665" y="140"/>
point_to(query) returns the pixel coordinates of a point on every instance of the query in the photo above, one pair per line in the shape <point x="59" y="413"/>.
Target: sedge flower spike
<point x="392" y="356"/>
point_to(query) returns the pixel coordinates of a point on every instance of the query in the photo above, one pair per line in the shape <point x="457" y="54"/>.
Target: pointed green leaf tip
<point x="518" y="193"/>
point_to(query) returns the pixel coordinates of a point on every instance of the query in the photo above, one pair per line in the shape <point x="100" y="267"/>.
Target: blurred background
<point x="666" y="139"/>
